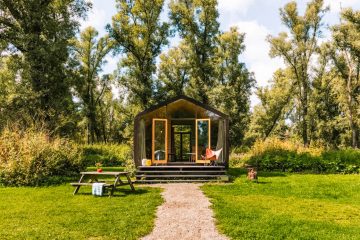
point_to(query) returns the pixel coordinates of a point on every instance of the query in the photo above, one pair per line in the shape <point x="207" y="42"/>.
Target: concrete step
<point x="180" y="171"/>
<point x="178" y="181"/>
<point x="180" y="176"/>
<point x="183" y="167"/>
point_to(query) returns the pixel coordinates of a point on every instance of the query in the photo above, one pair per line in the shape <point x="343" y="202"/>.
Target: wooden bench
<point x="93" y="178"/>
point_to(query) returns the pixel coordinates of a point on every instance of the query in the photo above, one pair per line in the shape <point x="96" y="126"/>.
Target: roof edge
<point x="179" y="97"/>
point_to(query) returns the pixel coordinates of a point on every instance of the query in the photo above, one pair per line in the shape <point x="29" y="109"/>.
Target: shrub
<point x="130" y="167"/>
<point x="276" y="155"/>
<point x="31" y="158"/>
<point x="108" y="154"/>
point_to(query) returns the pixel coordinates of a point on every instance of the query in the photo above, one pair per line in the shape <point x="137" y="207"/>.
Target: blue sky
<point x="256" y="18"/>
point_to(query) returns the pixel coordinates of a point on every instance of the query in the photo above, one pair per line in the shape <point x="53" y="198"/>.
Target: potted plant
<point x="98" y="166"/>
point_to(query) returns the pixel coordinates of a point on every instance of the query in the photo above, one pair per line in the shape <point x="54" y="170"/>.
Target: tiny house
<point x="179" y="132"/>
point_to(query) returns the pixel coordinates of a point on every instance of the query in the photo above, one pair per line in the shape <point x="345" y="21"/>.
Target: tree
<point x="345" y="54"/>
<point x="40" y="31"/>
<point x="233" y="79"/>
<point x="89" y="53"/>
<point x="174" y="72"/>
<point x="196" y="23"/>
<point x="298" y="49"/>
<point x="140" y="36"/>
<point x="324" y="107"/>
<point x="275" y="106"/>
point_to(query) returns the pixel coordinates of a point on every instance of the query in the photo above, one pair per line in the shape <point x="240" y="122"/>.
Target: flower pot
<point x="99" y="170"/>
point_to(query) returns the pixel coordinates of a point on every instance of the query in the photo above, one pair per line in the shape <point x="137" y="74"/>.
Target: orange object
<point x="99" y="170"/>
<point x="210" y="155"/>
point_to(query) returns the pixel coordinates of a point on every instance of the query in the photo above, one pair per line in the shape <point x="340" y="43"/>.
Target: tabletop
<point x="104" y="173"/>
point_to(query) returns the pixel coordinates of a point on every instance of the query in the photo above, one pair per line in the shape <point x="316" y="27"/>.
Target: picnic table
<point x="92" y="177"/>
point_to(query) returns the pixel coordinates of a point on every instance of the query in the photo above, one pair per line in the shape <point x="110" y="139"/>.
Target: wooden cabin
<point x="176" y="135"/>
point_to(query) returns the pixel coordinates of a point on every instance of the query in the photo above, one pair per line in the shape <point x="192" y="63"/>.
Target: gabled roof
<point x="182" y="97"/>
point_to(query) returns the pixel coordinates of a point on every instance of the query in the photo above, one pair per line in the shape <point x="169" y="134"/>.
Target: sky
<point x="256" y="18"/>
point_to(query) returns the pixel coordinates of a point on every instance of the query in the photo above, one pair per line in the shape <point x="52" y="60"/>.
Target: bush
<point x="276" y="155"/>
<point x="109" y="155"/>
<point x="30" y="158"/>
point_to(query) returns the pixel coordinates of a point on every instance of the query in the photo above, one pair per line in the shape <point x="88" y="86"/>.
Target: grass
<point x="54" y="213"/>
<point x="288" y="206"/>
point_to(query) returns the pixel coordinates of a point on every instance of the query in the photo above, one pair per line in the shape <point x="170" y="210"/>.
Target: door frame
<point x="153" y="160"/>
<point x="181" y="134"/>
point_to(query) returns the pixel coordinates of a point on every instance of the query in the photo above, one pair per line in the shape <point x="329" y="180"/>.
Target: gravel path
<point x="185" y="214"/>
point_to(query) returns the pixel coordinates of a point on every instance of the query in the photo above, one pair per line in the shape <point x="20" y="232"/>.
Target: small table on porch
<point x="93" y="178"/>
<point x="191" y="156"/>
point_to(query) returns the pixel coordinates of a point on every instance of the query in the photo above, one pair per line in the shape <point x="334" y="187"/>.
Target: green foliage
<point x="324" y="107"/>
<point x="140" y="36"/>
<point x="206" y="64"/>
<point x="54" y="213"/>
<point x="89" y="54"/>
<point x="174" y="72"/>
<point x="297" y="48"/>
<point x="130" y="167"/>
<point x="344" y="51"/>
<point x="275" y="104"/>
<point x="32" y="158"/>
<point x="107" y="154"/>
<point x="234" y="79"/>
<point x="275" y="155"/>
<point x="40" y="31"/>
<point x="287" y="206"/>
<point x="197" y="24"/>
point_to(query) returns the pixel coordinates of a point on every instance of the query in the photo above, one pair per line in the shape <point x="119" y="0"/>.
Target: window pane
<point x="159" y="140"/>
<point x="203" y="137"/>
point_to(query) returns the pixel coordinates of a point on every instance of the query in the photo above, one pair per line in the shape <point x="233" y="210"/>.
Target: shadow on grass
<point x="119" y="192"/>
<point x="271" y="174"/>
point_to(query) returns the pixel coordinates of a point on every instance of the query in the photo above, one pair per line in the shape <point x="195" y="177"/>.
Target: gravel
<point x="185" y="214"/>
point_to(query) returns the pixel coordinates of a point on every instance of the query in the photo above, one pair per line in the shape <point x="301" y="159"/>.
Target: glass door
<point x="202" y="139"/>
<point x="181" y="144"/>
<point x="159" y="141"/>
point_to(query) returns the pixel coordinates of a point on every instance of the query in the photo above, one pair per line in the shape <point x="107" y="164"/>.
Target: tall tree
<point x="89" y="53"/>
<point x="196" y="23"/>
<point x="174" y="72"/>
<point x="140" y="36"/>
<point x="232" y="78"/>
<point x="298" y="49"/>
<point x="345" y="55"/>
<point x="275" y="106"/>
<point x="324" y="107"/>
<point x="40" y="31"/>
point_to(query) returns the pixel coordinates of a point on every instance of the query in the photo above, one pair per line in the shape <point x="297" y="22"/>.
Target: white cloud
<point x="231" y="10"/>
<point x="96" y="18"/>
<point x="256" y="54"/>
<point x="235" y="6"/>
<point x="111" y="64"/>
<point x="336" y="5"/>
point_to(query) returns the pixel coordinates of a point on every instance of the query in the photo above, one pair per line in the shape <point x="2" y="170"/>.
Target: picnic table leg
<point x="117" y="178"/>
<point x="78" y="187"/>
<point x="130" y="182"/>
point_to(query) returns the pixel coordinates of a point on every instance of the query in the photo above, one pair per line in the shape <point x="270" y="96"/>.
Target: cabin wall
<point x="169" y="110"/>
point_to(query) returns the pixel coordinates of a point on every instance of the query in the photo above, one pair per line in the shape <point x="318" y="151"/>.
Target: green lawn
<point x="54" y="213"/>
<point x="288" y="206"/>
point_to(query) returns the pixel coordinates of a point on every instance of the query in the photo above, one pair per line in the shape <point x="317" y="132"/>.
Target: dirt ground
<point x="185" y="214"/>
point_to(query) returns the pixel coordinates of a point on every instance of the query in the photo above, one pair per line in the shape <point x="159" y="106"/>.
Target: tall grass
<point x="32" y="157"/>
<point x="274" y="154"/>
<point x="107" y="154"/>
